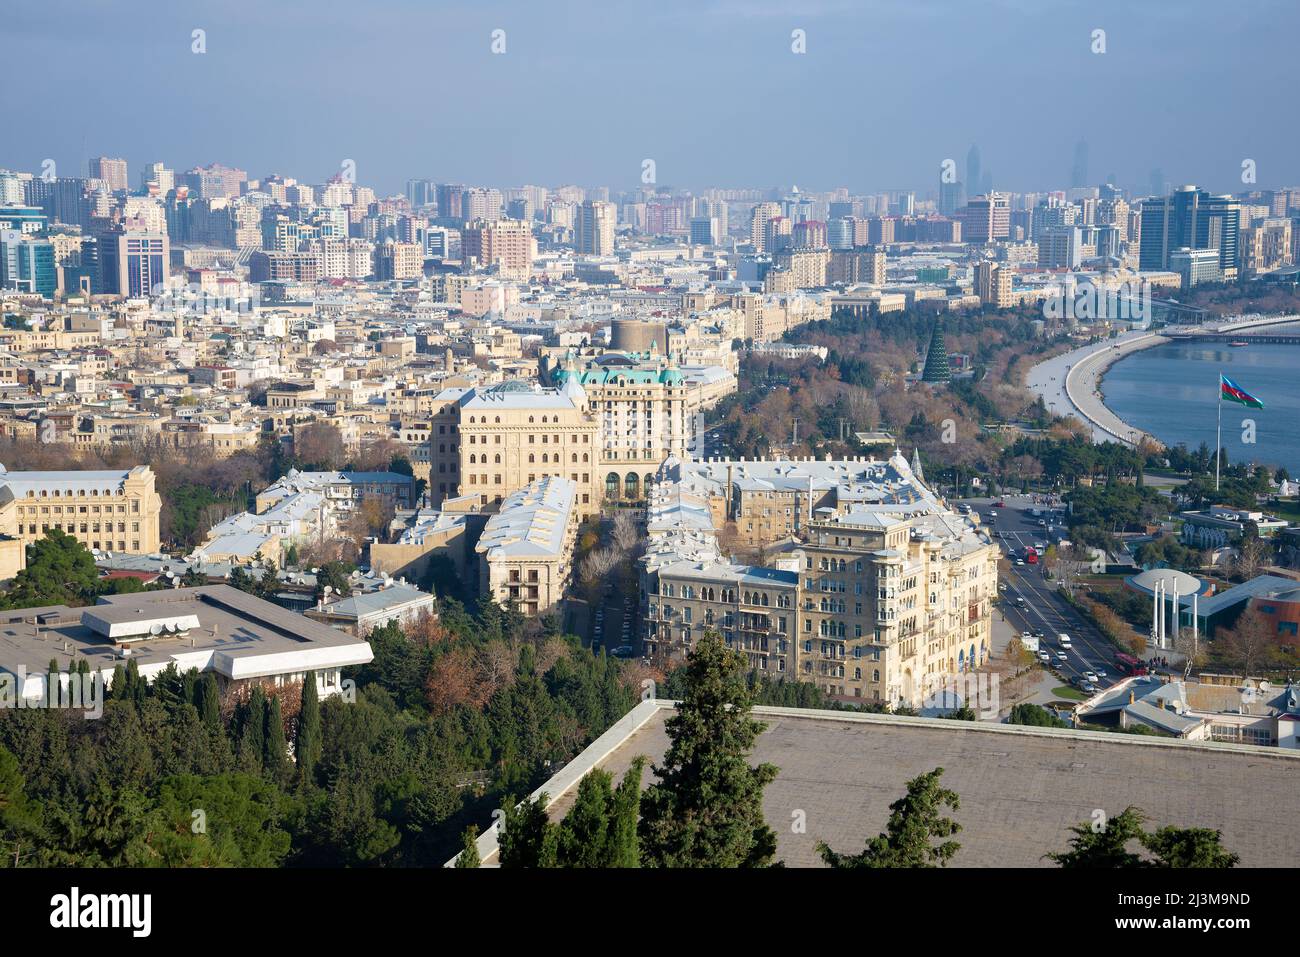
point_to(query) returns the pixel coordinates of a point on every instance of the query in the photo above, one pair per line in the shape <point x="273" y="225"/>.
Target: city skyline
<point x="950" y="76"/>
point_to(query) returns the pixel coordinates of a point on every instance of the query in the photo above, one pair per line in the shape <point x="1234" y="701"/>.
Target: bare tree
<point x="625" y="534"/>
<point x="1192" y="650"/>
<point x="1252" y="555"/>
<point x="1250" y="644"/>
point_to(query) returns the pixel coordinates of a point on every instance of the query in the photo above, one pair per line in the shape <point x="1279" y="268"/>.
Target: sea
<point x="1171" y="391"/>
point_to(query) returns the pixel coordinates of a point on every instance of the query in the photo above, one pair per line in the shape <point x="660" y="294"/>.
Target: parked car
<point x="1044" y="657"/>
<point x="1090" y="676"/>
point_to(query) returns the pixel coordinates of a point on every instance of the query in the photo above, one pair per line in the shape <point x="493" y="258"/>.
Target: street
<point x="1044" y="612"/>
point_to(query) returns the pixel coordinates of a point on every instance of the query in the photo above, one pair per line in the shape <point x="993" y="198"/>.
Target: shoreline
<point x="1072" y="381"/>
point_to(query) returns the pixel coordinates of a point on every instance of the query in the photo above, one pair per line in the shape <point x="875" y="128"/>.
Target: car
<point x="1020" y="601"/>
<point x="1025" y="634"/>
<point x="622" y="651"/>
<point x="1101" y="674"/>
<point x="1090" y="676"/>
<point x="993" y="514"/>
<point x="999" y="504"/>
<point x="1062" y="656"/>
<point x="1064" y="639"/>
<point x="1039" y="634"/>
<point x="1088" y="687"/>
<point x="1020" y="561"/>
<point x="1044" y="656"/>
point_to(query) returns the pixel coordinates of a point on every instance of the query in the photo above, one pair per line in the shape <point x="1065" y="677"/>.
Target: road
<point x="1070" y="384"/>
<point x="1044" y="612"/>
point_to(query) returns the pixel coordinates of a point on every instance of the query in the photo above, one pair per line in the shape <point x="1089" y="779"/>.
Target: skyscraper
<point x="133" y="263"/>
<point x="111" y="170"/>
<point x="1189" y="218"/>
<point x="593" y="229"/>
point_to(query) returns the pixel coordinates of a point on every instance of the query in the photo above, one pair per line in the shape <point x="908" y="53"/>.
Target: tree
<point x="318" y="446"/>
<point x="915" y="820"/>
<point x="625" y="533"/>
<point x="600" y="829"/>
<point x="335" y="575"/>
<point x="469" y="857"/>
<point x="706" y="809"/>
<point x="1034" y="716"/>
<point x="18" y="813"/>
<point x="1250" y="644"/>
<point x="527" y="838"/>
<point x="60" y="570"/>
<point x="275" y="750"/>
<point x="1170" y="847"/>
<point x="1198" y="847"/>
<point x="1105" y="846"/>
<point x="307" y="743"/>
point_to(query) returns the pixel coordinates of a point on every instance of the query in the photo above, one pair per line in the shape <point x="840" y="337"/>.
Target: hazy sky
<point x="709" y="89"/>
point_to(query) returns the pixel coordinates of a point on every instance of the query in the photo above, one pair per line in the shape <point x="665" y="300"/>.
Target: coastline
<point x="1070" y="385"/>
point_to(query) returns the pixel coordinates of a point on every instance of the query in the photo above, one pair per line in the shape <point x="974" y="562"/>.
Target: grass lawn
<point x="1065" y="691"/>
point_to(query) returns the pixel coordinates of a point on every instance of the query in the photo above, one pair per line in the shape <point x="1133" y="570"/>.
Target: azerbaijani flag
<point x="1234" y="393"/>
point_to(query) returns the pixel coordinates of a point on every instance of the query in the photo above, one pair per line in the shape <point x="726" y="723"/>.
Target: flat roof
<point x="1021" y="788"/>
<point x="229" y="631"/>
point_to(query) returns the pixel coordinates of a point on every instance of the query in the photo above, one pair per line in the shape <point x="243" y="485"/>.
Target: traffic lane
<point x="1088" y="651"/>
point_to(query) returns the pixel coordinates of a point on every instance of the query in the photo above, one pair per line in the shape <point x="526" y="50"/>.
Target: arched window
<point x="531" y="458"/>
<point x="497" y="458"/>
<point x="632" y="485"/>
<point x="611" y="485"/>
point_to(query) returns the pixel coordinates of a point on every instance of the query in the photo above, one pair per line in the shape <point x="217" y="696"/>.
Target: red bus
<point x="1128" y="665"/>
<point x="1031" y="556"/>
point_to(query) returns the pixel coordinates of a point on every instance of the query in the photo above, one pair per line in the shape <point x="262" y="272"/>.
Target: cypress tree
<point x="468" y="856"/>
<point x="527" y="836"/>
<point x="252" y="741"/>
<point x="275" y="757"/>
<point x="307" y="743"/>
<point x="209" y="701"/>
<point x="118" y="691"/>
<point x="706" y="810"/>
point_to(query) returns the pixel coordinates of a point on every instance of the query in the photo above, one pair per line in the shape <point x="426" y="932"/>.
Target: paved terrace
<point x="1021" y="789"/>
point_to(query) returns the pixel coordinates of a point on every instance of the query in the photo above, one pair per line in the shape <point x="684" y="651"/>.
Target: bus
<point x="1127" y="665"/>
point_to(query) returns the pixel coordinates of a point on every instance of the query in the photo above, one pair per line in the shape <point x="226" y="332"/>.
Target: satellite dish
<point x="155" y="629"/>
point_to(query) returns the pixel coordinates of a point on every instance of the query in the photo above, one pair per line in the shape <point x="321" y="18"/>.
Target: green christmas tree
<point x="936" y="359"/>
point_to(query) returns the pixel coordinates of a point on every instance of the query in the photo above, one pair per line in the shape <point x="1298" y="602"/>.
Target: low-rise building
<point x="526" y="550"/>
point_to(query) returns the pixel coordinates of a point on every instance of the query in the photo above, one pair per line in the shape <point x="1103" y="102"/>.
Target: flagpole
<point x="1218" y="435"/>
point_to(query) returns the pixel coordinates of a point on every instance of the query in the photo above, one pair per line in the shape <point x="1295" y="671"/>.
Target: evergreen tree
<point x="275" y="756"/>
<point x="209" y="702"/>
<point x="468" y="856"/>
<point x="914" y="820"/>
<point x="527" y="837"/>
<point x="1105" y="847"/>
<point x="706" y="810"/>
<point x="307" y="744"/>
<point x="252" y="743"/>
<point x="1198" y="847"/>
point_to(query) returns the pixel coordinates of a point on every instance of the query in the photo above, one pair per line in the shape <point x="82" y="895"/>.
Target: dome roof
<point x="1171" y="577"/>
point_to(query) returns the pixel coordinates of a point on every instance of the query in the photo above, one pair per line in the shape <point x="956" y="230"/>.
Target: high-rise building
<point x="593" y="229"/>
<point x="950" y="196"/>
<point x="112" y="171"/>
<point x="1060" y="247"/>
<point x="421" y="192"/>
<point x="160" y="176"/>
<point x="27" y="264"/>
<point x="704" y="231"/>
<point x="761" y="215"/>
<point x="399" y="261"/>
<point x="986" y="219"/>
<point x="993" y="284"/>
<point x="1190" y="218"/>
<point x="506" y="244"/>
<point x="133" y="263"/>
<point x="215" y="181"/>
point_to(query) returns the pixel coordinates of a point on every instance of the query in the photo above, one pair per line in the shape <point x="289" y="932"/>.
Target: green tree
<point x="275" y="754"/>
<point x="1105" y="846"/>
<point x="600" y="829"/>
<point x="19" y="814"/>
<point x="527" y="838"/>
<point x="915" y="820"/>
<point x="60" y="571"/>
<point x="225" y="820"/>
<point x="1034" y="716"/>
<point x="1170" y="847"/>
<point x="1180" y="847"/>
<point x="706" y="810"/>
<point x="307" y="744"/>
<point x="468" y="856"/>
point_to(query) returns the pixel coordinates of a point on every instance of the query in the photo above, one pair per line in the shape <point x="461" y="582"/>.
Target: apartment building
<point x="490" y="442"/>
<point x="526" y="549"/>
<point x="876" y="591"/>
<point x="642" y="406"/>
<point x="109" y="510"/>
